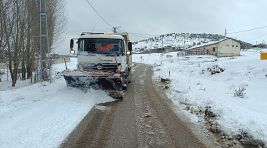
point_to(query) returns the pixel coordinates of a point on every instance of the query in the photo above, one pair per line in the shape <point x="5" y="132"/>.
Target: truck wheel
<point x="124" y="86"/>
<point x="129" y="77"/>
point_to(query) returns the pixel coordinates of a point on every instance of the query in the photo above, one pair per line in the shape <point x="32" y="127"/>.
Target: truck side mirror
<point x="130" y="46"/>
<point x="71" y="44"/>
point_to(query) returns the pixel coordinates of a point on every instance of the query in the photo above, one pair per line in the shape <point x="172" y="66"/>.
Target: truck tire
<point x="129" y="77"/>
<point x="124" y="87"/>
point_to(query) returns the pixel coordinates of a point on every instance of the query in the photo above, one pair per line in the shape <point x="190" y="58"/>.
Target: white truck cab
<point x="103" y="51"/>
<point x="103" y="58"/>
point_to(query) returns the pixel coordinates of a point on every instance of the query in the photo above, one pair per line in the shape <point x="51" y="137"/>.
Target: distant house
<point x="222" y="48"/>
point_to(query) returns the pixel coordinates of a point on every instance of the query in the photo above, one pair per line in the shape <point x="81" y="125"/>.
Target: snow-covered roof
<point x="206" y="44"/>
<point x="210" y="43"/>
<point x="104" y="36"/>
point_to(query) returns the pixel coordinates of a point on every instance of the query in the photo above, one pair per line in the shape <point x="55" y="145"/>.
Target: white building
<point x="222" y="48"/>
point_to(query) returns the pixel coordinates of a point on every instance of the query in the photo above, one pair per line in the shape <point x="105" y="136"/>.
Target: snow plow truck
<point x="104" y="62"/>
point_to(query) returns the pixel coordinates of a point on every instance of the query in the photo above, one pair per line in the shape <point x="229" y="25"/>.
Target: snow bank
<point x="42" y="115"/>
<point x="191" y="82"/>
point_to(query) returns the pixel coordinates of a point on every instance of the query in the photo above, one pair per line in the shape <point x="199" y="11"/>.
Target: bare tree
<point x="56" y="19"/>
<point x="19" y="33"/>
<point x="2" y="37"/>
<point x="8" y="27"/>
<point x="16" y="40"/>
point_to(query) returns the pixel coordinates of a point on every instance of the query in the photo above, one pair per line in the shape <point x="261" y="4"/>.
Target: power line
<point x="143" y="34"/>
<point x="247" y="30"/>
<point x="140" y="36"/>
<point x="103" y="19"/>
<point x="254" y="39"/>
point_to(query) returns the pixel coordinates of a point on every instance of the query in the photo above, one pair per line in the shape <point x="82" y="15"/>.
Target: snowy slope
<point x="191" y="83"/>
<point x="177" y="40"/>
<point x="42" y="115"/>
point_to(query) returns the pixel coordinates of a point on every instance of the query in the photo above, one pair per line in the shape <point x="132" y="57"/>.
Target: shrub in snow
<point x="157" y="65"/>
<point x="215" y="69"/>
<point x="247" y="138"/>
<point x="215" y="128"/>
<point x="1" y="73"/>
<point x="166" y="87"/>
<point x="165" y="80"/>
<point x="240" y="92"/>
<point x="208" y="113"/>
<point x="169" y="56"/>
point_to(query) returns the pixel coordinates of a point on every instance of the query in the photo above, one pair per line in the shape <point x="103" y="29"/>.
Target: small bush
<point x="240" y="92"/>
<point x="215" y="69"/>
<point x="169" y="56"/>
<point x="248" y="139"/>
<point x="157" y="65"/>
<point x="165" y="80"/>
<point x="2" y="72"/>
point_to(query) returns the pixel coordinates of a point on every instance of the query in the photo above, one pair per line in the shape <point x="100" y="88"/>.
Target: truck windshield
<point x="101" y="46"/>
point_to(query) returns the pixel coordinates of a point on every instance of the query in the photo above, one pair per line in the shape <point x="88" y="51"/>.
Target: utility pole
<point x="225" y="33"/>
<point x="184" y="41"/>
<point x="115" y="29"/>
<point x="162" y="42"/>
<point x="44" y="46"/>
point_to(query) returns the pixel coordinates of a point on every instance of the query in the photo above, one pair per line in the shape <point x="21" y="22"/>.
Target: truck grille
<point x="100" y="66"/>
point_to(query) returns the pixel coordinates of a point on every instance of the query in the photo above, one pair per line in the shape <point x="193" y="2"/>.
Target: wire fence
<point x="193" y="52"/>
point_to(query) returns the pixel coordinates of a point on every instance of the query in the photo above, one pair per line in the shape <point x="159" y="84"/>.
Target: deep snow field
<point x="43" y="114"/>
<point x="191" y="83"/>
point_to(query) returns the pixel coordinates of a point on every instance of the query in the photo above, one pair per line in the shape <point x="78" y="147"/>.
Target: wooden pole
<point x="65" y="63"/>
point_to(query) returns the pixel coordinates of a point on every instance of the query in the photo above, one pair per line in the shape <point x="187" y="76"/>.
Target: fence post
<point x="65" y="63"/>
<point x="50" y="69"/>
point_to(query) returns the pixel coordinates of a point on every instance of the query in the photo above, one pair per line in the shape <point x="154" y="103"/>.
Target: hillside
<point x="179" y="41"/>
